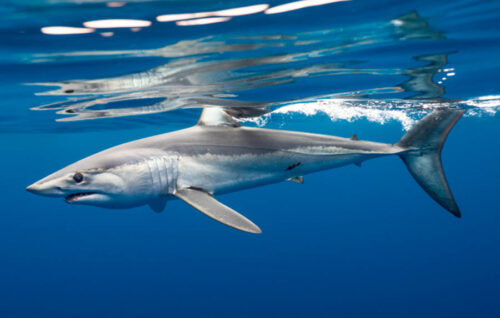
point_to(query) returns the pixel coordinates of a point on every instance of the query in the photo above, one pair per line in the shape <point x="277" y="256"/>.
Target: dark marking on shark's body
<point x="290" y="167"/>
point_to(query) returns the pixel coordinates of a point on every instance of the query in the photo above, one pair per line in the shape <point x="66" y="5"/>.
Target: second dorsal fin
<point x="299" y="179"/>
<point x="216" y="116"/>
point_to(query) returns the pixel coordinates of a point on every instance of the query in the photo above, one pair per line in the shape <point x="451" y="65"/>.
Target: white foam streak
<point x="202" y="21"/>
<point x="340" y="110"/>
<point x="233" y="12"/>
<point x="296" y="5"/>
<point x="62" y="30"/>
<point x="489" y="101"/>
<point x="117" y="23"/>
<point x="182" y="16"/>
<point x="243" y="10"/>
<point x="407" y="112"/>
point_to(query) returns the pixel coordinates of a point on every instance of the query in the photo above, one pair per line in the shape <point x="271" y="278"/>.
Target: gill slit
<point x="153" y="168"/>
<point x="163" y="174"/>
<point x="159" y="175"/>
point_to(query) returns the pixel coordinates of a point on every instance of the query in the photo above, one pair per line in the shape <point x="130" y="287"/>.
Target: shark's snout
<point x="34" y="188"/>
<point x="44" y="189"/>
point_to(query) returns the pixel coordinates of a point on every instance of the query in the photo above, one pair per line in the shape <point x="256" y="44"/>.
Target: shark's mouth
<point x="75" y="196"/>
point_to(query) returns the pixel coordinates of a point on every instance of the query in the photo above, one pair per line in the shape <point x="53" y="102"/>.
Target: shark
<point x="218" y="155"/>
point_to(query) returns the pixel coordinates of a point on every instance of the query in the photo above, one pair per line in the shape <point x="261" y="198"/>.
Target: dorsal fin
<point x="354" y="137"/>
<point x="216" y="116"/>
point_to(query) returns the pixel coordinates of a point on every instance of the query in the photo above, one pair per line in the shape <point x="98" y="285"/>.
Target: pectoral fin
<point x="207" y="204"/>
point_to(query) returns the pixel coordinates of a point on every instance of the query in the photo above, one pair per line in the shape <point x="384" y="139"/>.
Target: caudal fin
<point x="424" y="142"/>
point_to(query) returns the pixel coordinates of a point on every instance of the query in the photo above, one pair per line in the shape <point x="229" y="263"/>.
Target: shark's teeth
<point x="74" y="196"/>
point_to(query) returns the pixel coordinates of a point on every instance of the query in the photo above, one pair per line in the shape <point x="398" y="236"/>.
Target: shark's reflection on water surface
<point x="196" y="76"/>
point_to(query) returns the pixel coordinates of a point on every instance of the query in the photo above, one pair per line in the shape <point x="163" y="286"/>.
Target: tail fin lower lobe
<point x="423" y="143"/>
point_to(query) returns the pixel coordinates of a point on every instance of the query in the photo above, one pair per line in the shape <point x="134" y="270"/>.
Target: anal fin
<point x="207" y="204"/>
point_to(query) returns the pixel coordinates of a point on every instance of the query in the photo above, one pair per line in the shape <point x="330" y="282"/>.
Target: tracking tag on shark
<point x="207" y="204"/>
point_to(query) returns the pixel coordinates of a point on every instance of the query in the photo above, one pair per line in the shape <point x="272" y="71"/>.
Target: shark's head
<point x="110" y="179"/>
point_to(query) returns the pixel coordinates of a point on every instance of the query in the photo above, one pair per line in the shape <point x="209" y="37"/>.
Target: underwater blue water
<point x="349" y="242"/>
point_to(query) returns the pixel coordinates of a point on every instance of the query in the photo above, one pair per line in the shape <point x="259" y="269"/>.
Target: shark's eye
<point x="78" y="177"/>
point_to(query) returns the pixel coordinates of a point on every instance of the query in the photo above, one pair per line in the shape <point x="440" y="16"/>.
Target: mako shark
<point x="218" y="155"/>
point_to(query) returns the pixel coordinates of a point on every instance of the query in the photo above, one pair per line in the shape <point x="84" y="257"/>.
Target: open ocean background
<point x="350" y="242"/>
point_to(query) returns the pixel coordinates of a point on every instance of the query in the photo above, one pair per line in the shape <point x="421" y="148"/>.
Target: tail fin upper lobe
<point x="424" y="142"/>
